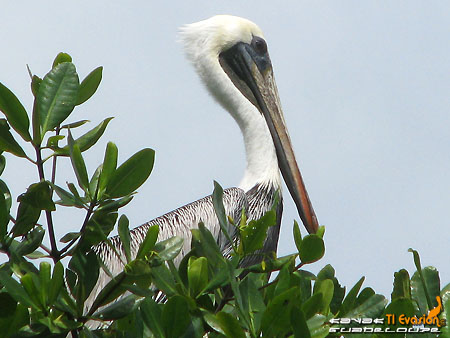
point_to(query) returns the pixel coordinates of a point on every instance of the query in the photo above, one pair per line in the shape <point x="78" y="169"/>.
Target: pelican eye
<point x="259" y="45"/>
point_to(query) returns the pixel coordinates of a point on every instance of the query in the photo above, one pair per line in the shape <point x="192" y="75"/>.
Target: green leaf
<point x="31" y="289"/>
<point x="87" y="268"/>
<point x="138" y="268"/>
<point x="35" y="115"/>
<point x="327" y="272"/>
<point x="230" y="325"/>
<point x="14" y="112"/>
<point x="67" y="199"/>
<point x="297" y="236"/>
<point x="124" y="234"/>
<point x="118" y="309"/>
<point x="316" y="326"/>
<point x="299" y="325"/>
<point x="339" y="292"/>
<point x="195" y="328"/>
<point x="445" y="314"/>
<point x="44" y="281"/>
<point x="37" y="255"/>
<point x="364" y="295"/>
<point x="252" y="302"/>
<point x="416" y="258"/>
<point x="320" y="231"/>
<point x="400" y="306"/>
<point x="149" y="241"/>
<point x="197" y="272"/>
<point x="39" y="195"/>
<point x="112" y="290"/>
<point x="151" y="314"/>
<point x="57" y="96"/>
<point x="402" y="288"/>
<point x="371" y="308"/>
<point x="432" y="278"/>
<point x="15" y="315"/>
<point x="4" y="217"/>
<point x="115" y="204"/>
<point x="75" y="192"/>
<point x="206" y="245"/>
<point x="219" y="279"/>
<point x="27" y="216"/>
<point x="74" y="125"/>
<point x="15" y="290"/>
<point x="312" y="249"/>
<point x="284" y="280"/>
<point x="236" y="291"/>
<point x="78" y="163"/>
<point x="31" y="242"/>
<point x="7" y="141"/>
<point x="326" y="288"/>
<point x="60" y="58"/>
<point x="277" y="317"/>
<point x="175" y="317"/>
<point x="6" y="193"/>
<point x="255" y="233"/>
<point x="89" y="85"/>
<point x="99" y="226"/>
<point x="303" y="279"/>
<point x="56" y="282"/>
<point x="93" y="183"/>
<point x="52" y="141"/>
<point x="69" y="237"/>
<point x="212" y="321"/>
<point x="217" y="198"/>
<point x="108" y="168"/>
<point x="87" y="140"/>
<point x="312" y="305"/>
<point x="2" y="164"/>
<point x="350" y="299"/>
<point x="169" y="248"/>
<point x="270" y="264"/>
<point x="425" y="285"/>
<point x="131" y="174"/>
<point x="164" y="279"/>
<point x="35" y="84"/>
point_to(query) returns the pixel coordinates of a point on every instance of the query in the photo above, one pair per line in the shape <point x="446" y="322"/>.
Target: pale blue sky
<point x="365" y="87"/>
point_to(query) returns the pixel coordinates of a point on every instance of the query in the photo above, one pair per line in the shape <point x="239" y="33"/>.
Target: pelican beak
<point x="250" y="69"/>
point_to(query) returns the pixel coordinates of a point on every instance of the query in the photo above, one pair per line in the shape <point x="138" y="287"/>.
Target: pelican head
<point x="231" y="57"/>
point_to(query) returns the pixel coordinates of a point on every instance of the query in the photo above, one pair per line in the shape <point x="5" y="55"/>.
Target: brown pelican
<point x="230" y="56"/>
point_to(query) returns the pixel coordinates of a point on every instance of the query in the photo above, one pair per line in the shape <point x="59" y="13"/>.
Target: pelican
<point x="230" y="56"/>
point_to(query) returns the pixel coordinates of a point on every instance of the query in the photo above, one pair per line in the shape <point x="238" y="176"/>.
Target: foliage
<point x="205" y="294"/>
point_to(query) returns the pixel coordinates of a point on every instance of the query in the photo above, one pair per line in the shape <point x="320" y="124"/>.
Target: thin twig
<point x="85" y="222"/>
<point x="49" y="157"/>
<point x="43" y="247"/>
<point x="54" y="162"/>
<point x="268" y="284"/>
<point x="30" y="159"/>
<point x="300" y="265"/>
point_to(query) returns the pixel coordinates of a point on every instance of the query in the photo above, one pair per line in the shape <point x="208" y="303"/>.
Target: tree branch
<point x="54" y="251"/>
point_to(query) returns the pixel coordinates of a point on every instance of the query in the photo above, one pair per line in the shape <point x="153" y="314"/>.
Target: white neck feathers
<point x="203" y="42"/>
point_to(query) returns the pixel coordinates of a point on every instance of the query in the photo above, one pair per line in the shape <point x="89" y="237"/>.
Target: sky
<point x="365" y="92"/>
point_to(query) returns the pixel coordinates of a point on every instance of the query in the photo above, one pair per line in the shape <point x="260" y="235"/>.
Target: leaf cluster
<point x="207" y="294"/>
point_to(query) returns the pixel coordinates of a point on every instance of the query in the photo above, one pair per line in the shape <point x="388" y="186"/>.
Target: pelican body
<point x="230" y="56"/>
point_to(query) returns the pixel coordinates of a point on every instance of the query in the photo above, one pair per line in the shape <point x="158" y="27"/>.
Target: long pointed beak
<point x="260" y="80"/>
